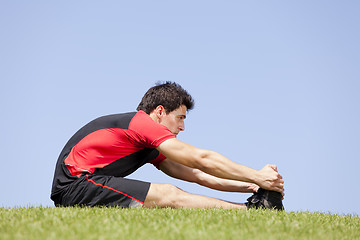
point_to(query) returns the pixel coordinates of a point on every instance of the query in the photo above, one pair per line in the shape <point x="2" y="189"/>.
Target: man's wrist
<point x="255" y="177"/>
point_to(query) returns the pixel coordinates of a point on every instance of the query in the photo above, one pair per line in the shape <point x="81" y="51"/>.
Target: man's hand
<point x="270" y="179"/>
<point x="253" y="187"/>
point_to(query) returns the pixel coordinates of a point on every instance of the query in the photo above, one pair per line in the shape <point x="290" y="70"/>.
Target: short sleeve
<point x="156" y="162"/>
<point x="147" y="132"/>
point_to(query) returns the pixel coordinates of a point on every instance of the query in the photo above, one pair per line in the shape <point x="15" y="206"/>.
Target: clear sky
<point x="274" y="82"/>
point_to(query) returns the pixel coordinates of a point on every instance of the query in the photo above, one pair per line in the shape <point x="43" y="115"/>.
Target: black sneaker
<point x="265" y="199"/>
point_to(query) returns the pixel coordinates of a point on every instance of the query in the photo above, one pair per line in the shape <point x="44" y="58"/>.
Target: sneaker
<point x="265" y="199"/>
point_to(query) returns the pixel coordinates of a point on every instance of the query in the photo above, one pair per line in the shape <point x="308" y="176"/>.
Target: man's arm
<point x="185" y="173"/>
<point x="219" y="166"/>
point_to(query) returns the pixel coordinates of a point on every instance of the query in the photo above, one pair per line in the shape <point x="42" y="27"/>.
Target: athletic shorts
<point x="101" y="190"/>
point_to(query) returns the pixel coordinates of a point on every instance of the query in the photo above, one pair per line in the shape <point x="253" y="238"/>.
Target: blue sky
<point x="274" y="82"/>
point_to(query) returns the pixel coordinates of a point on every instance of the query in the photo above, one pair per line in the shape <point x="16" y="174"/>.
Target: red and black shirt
<point x="114" y="145"/>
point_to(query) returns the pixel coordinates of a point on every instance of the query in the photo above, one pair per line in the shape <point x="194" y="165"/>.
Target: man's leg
<point x="166" y="195"/>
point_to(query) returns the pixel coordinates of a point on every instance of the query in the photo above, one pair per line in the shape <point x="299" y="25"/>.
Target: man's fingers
<point x="279" y="186"/>
<point x="274" y="180"/>
<point x="273" y="167"/>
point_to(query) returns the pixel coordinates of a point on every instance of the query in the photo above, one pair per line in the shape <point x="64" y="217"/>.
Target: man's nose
<point x="182" y="127"/>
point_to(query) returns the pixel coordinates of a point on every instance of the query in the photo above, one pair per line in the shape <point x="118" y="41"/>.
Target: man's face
<point x="174" y="120"/>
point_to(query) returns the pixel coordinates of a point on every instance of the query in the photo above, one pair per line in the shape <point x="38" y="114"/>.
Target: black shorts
<point x="101" y="190"/>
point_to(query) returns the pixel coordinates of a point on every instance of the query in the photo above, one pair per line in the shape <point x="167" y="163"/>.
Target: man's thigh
<point x="101" y="190"/>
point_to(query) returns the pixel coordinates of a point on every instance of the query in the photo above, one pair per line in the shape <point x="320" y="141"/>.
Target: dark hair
<point x="169" y="94"/>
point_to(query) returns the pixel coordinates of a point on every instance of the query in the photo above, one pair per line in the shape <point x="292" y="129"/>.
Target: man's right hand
<point x="270" y="179"/>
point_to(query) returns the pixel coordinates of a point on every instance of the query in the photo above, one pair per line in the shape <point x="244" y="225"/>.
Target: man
<point x="92" y="167"/>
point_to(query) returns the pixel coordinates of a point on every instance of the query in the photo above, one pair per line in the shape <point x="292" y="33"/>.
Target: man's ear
<point x="160" y="111"/>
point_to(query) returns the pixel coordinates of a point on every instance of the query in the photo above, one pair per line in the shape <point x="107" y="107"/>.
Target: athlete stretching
<point x="92" y="167"/>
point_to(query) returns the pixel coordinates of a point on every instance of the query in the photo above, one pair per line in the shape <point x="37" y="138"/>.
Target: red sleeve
<point x="146" y="132"/>
<point x="158" y="160"/>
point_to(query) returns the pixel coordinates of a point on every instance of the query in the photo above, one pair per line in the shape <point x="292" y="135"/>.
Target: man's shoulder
<point x="142" y="121"/>
<point x="149" y="131"/>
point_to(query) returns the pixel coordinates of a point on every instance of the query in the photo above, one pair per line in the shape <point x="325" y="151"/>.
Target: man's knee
<point x="163" y="195"/>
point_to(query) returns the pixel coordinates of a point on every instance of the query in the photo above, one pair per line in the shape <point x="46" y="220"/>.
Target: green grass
<point x="115" y="223"/>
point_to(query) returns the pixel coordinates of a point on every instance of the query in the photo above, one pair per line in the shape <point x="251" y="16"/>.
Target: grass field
<point x="115" y="223"/>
